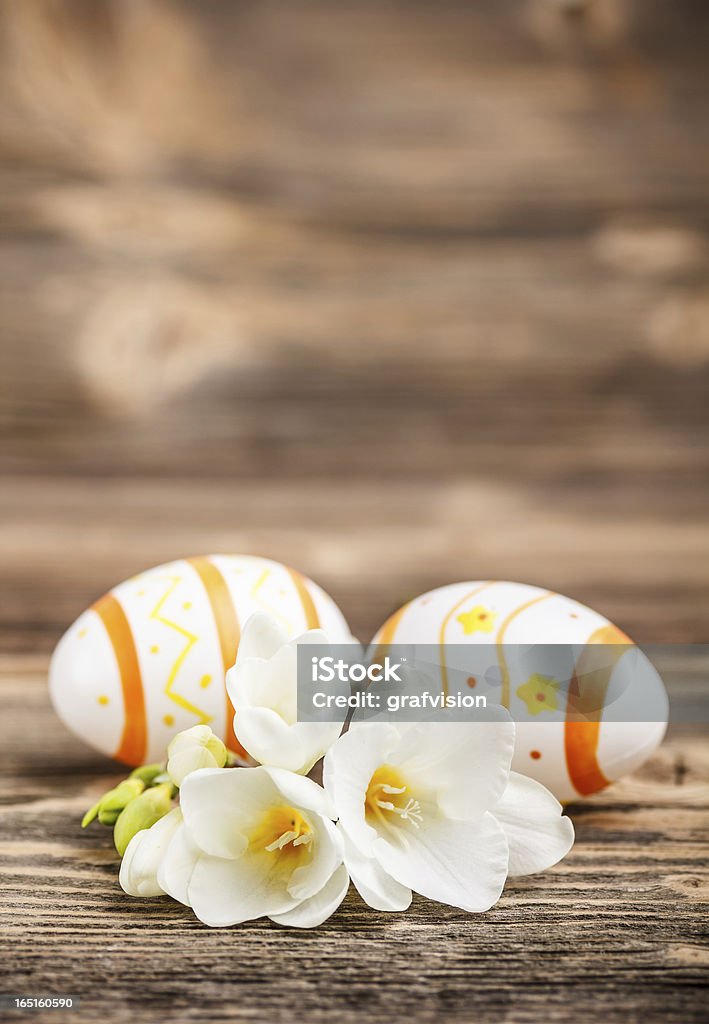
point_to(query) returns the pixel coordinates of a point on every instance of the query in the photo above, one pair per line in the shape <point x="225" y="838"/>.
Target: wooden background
<point x="401" y="294"/>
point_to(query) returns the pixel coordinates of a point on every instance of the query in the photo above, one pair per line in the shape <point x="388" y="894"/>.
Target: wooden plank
<point x="617" y="930"/>
<point x="372" y="544"/>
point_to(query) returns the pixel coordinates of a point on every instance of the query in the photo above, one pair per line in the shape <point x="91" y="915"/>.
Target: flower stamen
<point x="386" y="781"/>
<point x="283" y="829"/>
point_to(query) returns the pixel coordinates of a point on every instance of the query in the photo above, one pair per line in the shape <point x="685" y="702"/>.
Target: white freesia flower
<point x="139" y="867"/>
<point x="255" y="842"/>
<point x="434" y="808"/>
<point x="263" y="687"/>
<point x="194" y="748"/>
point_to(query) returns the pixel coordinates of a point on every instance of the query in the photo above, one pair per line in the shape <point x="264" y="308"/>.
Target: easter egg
<point x="536" y="639"/>
<point x="149" y="658"/>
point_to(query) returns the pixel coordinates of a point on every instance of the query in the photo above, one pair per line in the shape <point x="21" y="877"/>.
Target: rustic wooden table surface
<point x="399" y="294"/>
<point x="617" y="932"/>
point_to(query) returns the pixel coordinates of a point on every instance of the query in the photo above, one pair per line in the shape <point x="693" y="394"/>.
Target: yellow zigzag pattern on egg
<point x="257" y="597"/>
<point x="191" y="639"/>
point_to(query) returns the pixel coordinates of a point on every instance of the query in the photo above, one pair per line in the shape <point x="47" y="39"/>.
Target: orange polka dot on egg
<point x="168" y="720"/>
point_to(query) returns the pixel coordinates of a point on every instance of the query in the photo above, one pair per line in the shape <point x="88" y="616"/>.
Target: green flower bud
<point x="112" y="803"/>
<point x="141" y="813"/>
<point x="108" y="817"/>
<point x="148" y="773"/>
<point x="90" y="815"/>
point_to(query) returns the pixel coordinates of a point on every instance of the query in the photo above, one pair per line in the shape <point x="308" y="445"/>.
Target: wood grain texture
<point x="617" y="932"/>
<point x="397" y="293"/>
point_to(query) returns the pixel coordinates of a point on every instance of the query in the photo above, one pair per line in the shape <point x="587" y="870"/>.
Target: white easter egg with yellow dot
<point x="149" y="658"/>
<point x="571" y="754"/>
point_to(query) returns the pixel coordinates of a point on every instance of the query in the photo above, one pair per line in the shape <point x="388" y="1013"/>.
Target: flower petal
<point x="347" y="770"/>
<point x="271" y="741"/>
<point x="328" y="851"/>
<point x="177" y="865"/>
<point x="183" y="762"/>
<point x="189" y="738"/>
<point x="268" y="739"/>
<point x="466" y="764"/>
<point x="225" y="892"/>
<point x="145" y="851"/>
<point x="312" y="912"/>
<point x="220" y="805"/>
<point x="377" y="888"/>
<point x="268" y="684"/>
<point x="462" y="863"/>
<point x="299" y="790"/>
<point x="537" y="831"/>
<point x="261" y="637"/>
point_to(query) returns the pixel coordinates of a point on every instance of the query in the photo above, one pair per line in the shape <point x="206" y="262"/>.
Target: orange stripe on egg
<point x="228" y="631"/>
<point x="581" y="735"/>
<point x="386" y="638"/>
<point x="444" y="626"/>
<point x="134" y="738"/>
<point x="312" y="618"/>
<point x="502" y="660"/>
<point x="387" y="633"/>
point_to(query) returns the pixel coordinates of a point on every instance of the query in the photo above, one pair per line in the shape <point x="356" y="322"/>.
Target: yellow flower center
<point x="282" y="830"/>
<point x="389" y="801"/>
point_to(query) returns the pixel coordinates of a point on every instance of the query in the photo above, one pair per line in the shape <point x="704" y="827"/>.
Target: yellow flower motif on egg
<point x="539" y="693"/>
<point x="477" y="620"/>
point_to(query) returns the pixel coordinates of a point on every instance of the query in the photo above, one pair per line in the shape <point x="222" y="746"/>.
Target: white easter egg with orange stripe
<point x="571" y="756"/>
<point x="149" y="658"/>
